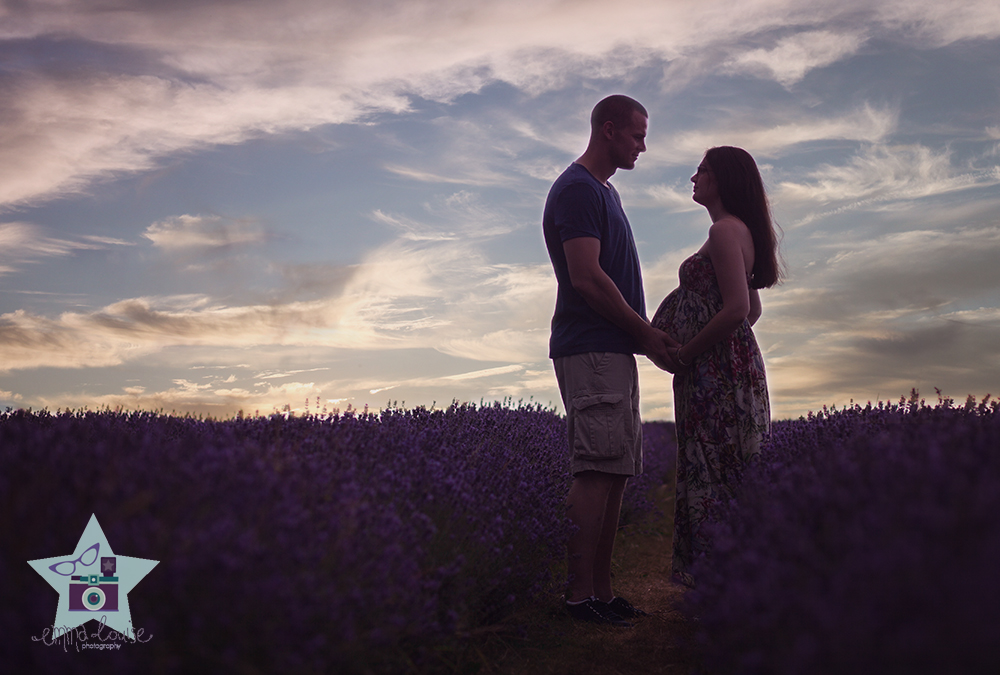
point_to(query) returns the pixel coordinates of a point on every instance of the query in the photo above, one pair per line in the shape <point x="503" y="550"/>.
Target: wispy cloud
<point x="487" y="372"/>
<point x="459" y="216"/>
<point x="270" y="375"/>
<point x="190" y="396"/>
<point x="793" y="56"/>
<point x="480" y="178"/>
<point x="771" y="137"/>
<point x="888" y="171"/>
<point x="24" y="242"/>
<point x="940" y="23"/>
<point x="187" y="232"/>
<point x="882" y="173"/>
<point x="438" y="381"/>
<point x="673" y="198"/>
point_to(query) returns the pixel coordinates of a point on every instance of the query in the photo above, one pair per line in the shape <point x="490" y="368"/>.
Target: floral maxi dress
<point x="721" y="409"/>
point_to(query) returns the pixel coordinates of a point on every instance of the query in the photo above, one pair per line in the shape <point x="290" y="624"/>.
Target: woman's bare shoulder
<point x="729" y="228"/>
<point x="728" y="224"/>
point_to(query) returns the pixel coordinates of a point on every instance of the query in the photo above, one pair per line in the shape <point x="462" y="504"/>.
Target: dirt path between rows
<point x="554" y="644"/>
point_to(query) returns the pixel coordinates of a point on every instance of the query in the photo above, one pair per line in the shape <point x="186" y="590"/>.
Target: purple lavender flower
<point x="866" y="539"/>
<point x="324" y="543"/>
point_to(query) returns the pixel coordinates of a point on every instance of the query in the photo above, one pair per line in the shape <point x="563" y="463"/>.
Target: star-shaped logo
<point x="88" y="590"/>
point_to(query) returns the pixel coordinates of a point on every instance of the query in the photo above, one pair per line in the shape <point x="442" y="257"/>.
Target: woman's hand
<point x="675" y="354"/>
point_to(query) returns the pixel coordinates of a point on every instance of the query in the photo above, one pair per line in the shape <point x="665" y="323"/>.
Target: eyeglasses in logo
<point x="92" y="585"/>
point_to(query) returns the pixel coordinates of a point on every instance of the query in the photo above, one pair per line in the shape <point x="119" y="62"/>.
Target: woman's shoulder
<point x="728" y="225"/>
<point x="729" y="229"/>
<point x="729" y="236"/>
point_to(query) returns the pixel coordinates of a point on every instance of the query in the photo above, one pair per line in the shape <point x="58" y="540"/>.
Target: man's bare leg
<point x="606" y="543"/>
<point x="593" y="498"/>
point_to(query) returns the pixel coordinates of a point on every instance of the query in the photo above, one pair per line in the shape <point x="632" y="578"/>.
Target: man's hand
<point x="658" y="347"/>
<point x="670" y="365"/>
<point x="603" y="296"/>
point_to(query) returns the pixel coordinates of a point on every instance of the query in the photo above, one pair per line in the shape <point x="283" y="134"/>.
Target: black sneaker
<point x="595" y="611"/>
<point x="623" y="608"/>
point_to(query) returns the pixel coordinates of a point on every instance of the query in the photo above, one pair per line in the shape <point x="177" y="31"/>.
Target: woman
<point x="720" y="394"/>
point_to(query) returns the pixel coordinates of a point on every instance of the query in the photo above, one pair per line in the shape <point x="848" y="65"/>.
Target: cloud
<point x="412" y="229"/>
<point x="482" y="179"/>
<point x="794" y="56"/>
<point x="885" y="172"/>
<point x="155" y="79"/>
<point x="137" y="327"/>
<point x="442" y="296"/>
<point x="876" y="316"/>
<point x="771" y="137"/>
<point x="490" y="147"/>
<point x="97" y="124"/>
<point x="447" y="296"/>
<point x="941" y="23"/>
<point x="426" y="382"/>
<point x="861" y="364"/>
<point x="226" y="397"/>
<point x="186" y="396"/>
<point x="459" y="216"/>
<point x="908" y="273"/>
<point x="202" y="232"/>
<point x="134" y="85"/>
<point x="501" y="345"/>
<point x="267" y="375"/>
<point x="672" y="198"/>
<point x="24" y="243"/>
<point x="488" y="372"/>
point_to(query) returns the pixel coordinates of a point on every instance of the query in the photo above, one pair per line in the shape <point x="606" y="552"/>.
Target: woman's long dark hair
<point x="741" y="190"/>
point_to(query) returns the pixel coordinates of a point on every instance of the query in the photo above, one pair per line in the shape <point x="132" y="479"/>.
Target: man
<point x="598" y="325"/>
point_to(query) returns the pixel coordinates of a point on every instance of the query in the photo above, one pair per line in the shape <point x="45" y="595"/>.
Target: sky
<point x="209" y="206"/>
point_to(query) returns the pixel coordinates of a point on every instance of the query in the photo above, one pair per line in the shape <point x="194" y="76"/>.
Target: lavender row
<point x="866" y="539"/>
<point x="334" y="544"/>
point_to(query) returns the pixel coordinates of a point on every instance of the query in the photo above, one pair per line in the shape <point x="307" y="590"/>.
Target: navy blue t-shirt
<point x="578" y="205"/>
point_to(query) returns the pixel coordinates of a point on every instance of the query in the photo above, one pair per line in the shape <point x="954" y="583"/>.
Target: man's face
<point x="627" y="143"/>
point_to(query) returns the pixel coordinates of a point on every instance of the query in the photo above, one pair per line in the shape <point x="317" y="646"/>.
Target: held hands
<point x="661" y="349"/>
<point x="681" y="365"/>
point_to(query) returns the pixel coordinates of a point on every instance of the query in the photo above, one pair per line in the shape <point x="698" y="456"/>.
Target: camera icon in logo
<point x="97" y="592"/>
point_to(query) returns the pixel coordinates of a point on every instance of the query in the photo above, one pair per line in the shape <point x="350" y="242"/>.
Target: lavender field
<point x="318" y="544"/>
<point x="866" y="540"/>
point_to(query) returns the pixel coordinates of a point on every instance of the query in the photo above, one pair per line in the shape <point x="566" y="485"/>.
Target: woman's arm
<point x="726" y="240"/>
<point x="601" y="293"/>
<point x="755" y="306"/>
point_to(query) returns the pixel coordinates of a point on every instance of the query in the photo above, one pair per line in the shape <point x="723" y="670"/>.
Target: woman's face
<point x="705" y="189"/>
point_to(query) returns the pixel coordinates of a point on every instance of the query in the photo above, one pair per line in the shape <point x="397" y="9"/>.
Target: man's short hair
<point x="617" y="108"/>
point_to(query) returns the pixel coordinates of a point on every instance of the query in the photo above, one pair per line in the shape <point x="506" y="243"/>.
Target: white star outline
<point x="130" y="571"/>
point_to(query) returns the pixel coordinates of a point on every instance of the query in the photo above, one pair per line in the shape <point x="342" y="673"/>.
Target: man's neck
<point x="601" y="170"/>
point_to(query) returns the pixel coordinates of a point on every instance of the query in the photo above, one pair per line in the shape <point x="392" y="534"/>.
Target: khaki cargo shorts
<point x="600" y="391"/>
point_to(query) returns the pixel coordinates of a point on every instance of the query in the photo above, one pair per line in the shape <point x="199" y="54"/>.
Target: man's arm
<point x="601" y="293"/>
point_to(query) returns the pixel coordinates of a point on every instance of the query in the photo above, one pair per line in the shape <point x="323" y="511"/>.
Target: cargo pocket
<point x="599" y="426"/>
